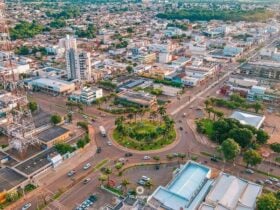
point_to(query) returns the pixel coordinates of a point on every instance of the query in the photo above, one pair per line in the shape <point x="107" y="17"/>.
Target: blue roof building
<point x="186" y="191"/>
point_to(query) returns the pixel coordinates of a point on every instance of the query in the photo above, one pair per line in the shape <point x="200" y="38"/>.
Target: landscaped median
<point x="144" y="135"/>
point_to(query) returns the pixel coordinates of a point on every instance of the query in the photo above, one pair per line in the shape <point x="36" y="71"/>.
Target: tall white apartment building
<point x="78" y="63"/>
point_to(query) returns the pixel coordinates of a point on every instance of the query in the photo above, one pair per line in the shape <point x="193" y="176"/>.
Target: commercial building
<point x="264" y="94"/>
<point x="52" y="86"/>
<point x="53" y="135"/>
<point x="86" y="95"/>
<point x="140" y="99"/>
<point x="262" y="68"/>
<point x="248" y="118"/>
<point x="186" y="191"/>
<point x="230" y="192"/>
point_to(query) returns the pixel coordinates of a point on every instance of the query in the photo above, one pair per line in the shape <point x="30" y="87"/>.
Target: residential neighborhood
<point x="140" y="104"/>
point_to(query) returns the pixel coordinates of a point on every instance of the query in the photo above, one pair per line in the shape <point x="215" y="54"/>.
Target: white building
<point x="78" y="63"/>
<point x="87" y="95"/>
<point x="230" y="192"/>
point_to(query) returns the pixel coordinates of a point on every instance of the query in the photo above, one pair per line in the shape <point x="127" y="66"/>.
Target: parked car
<point x="277" y="184"/>
<point x="26" y="206"/>
<point x="181" y="128"/>
<point x="128" y="154"/>
<point x="141" y="182"/>
<point x="122" y="160"/>
<point x="249" y="171"/>
<point x="109" y="143"/>
<point x="273" y="179"/>
<point x="267" y="181"/>
<point x="71" y="173"/>
<point x="86" y="166"/>
<point x="157" y="167"/>
<point x="214" y="159"/>
<point x="147" y="157"/>
<point x="92" y="198"/>
<point x="98" y="150"/>
<point x="86" y="180"/>
<point x="260" y="182"/>
<point x="145" y="178"/>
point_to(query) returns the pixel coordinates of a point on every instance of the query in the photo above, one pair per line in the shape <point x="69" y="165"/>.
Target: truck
<point x="102" y="131"/>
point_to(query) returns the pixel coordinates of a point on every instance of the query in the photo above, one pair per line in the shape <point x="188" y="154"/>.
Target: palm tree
<point x="208" y="110"/>
<point x="149" y="184"/>
<point x="182" y="156"/>
<point x="124" y="184"/>
<point x="130" y="116"/>
<point x="119" y="123"/>
<point x="153" y="115"/>
<point x="207" y="103"/>
<point x="219" y="114"/>
<point x="162" y="111"/>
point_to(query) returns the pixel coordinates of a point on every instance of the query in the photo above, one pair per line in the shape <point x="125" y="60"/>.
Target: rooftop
<point x="230" y="192"/>
<point x="52" y="133"/>
<point x="9" y="179"/>
<point x="186" y="190"/>
<point x="248" y="118"/>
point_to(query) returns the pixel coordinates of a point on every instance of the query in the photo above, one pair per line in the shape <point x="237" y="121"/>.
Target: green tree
<point x="102" y="178"/>
<point x="156" y="158"/>
<point x="119" y="122"/>
<point x="268" y="201"/>
<point x="124" y="184"/>
<point x="12" y="196"/>
<point x="230" y="149"/>
<point x="257" y="106"/>
<point x="129" y="30"/>
<point x="70" y="117"/>
<point x="252" y="157"/>
<point x="262" y="136"/>
<point x="55" y="119"/>
<point x="81" y="143"/>
<point x="207" y="103"/>
<point x="129" y="69"/>
<point x="33" y="106"/>
<point x="242" y="136"/>
<point x="275" y="147"/>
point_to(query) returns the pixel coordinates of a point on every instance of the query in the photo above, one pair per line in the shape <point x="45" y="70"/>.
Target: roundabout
<point x="144" y="135"/>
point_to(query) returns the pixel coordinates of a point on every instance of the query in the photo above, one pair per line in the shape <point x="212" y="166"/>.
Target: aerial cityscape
<point x="140" y="104"/>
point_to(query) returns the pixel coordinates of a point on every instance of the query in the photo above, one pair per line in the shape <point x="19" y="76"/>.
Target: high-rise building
<point x="77" y="62"/>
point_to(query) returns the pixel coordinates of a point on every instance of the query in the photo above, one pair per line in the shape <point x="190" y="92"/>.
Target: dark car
<point x="157" y="167"/>
<point x="214" y="159"/>
<point x="98" y="150"/>
<point x="181" y="128"/>
<point x="128" y="154"/>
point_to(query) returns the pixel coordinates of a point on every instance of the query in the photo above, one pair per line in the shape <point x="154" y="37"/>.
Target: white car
<point x="249" y="171"/>
<point x="147" y="157"/>
<point x="278" y="184"/>
<point x="267" y="181"/>
<point x="145" y="178"/>
<point x="26" y="206"/>
<point x="86" y="180"/>
<point x="87" y="166"/>
<point x="273" y="179"/>
<point x="109" y="143"/>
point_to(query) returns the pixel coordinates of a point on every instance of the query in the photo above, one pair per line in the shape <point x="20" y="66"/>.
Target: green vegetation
<point x="182" y="26"/>
<point x="154" y="91"/>
<point x="199" y="14"/>
<point x="224" y="128"/>
<point x="63" y="148"/>
<point x="230" y="149"/>
<point x="67" y="13"/>
<point x="235" y="102"/>
<point x="83" y="125"/>
<point x="33" y="106"/>
<point x="275" y="147"/>
<point x="100" y="164"/>
<point x="252" y="157"/>
<point x="121" y="44"/>
<point x="81" y="143"/>
<point x="144" y="135"/>
<point x="89" y="33"/>
<point x="268" y="201"/>
<point x="55" y="119"/>
<point x="106" y="84"/>
<point x="169" y="83"/>
<point x="24" y="50"/>
<point x="25" y="30"/>
<point x="29" y="187"/>
<point x="58" y="23"/>
<point x="129" y="69"/>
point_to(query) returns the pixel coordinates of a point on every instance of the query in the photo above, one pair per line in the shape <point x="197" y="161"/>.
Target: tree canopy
<point x="252" y="157"/>
<point x="230" y="149"/>
<point x="268" y="201"/>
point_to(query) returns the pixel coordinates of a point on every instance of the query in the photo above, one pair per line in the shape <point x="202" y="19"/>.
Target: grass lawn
<point x="145" y="135"/>
<point x="208" y="126"/>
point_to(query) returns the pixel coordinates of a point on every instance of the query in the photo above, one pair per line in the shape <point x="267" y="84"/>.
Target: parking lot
<point x="164" y="172"/>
